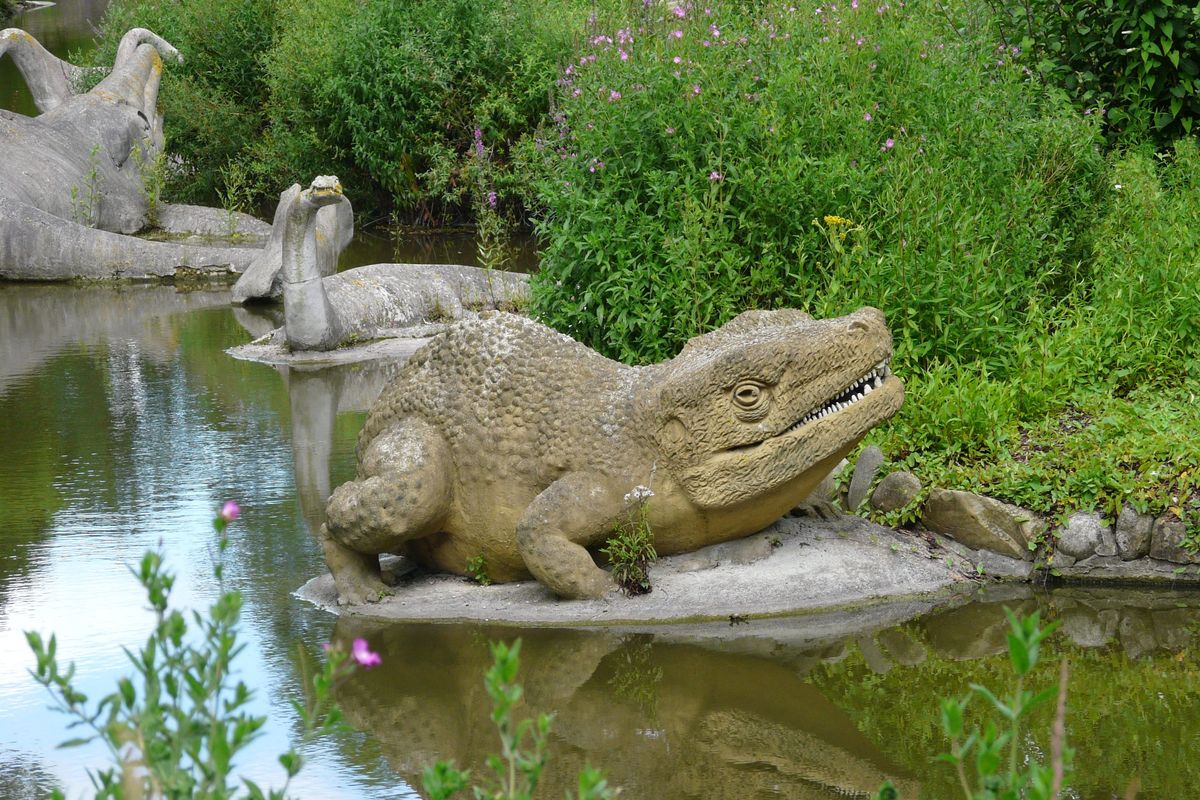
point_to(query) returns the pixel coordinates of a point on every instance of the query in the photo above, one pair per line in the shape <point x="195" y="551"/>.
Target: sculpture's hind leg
<point x="571" y="514"/>
<point x="48" y="77"/>
<point x="402" y="493"/>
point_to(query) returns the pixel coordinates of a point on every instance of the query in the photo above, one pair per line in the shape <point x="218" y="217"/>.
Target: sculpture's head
<point x="768" y="402"/>
<point x="325" y="190"/>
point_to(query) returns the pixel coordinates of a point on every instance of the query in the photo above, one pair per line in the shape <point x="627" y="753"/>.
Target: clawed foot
<point x="817" y="509"/>
<point x="360" y="593"/>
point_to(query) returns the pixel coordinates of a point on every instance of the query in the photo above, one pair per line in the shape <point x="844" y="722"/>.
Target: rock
<point x="1133" y="534"/>
<point x="982" y="522"/>
<point x="895" y="491"/>
<point x="1166" y="541"/>
<point x="1060" y="560"/>
<point x="1085" y="534"/>
<point x="864" y="475"/>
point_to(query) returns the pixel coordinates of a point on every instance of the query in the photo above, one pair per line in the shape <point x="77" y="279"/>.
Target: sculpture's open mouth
<point x="854" y="393"/>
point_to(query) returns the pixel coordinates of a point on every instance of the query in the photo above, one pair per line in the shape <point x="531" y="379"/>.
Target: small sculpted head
<point x="763" y="404"/>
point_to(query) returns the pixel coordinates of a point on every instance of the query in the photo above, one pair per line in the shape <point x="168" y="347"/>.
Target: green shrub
<point x="392" y="93"/>
<point x="214" y="102"/>
<point x="1136" y="62"/>
<point x="696" y="157"/>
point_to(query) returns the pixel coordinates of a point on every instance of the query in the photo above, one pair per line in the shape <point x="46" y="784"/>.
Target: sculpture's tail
<point x="51" y="80"/>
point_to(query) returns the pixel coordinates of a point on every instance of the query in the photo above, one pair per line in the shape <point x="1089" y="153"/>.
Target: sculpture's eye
<point x="751" y="400"/>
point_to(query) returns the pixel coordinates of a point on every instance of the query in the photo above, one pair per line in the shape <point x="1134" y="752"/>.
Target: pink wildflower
<point x="670" y="131"/>
<point x="695" y="88"/>
<point x="715" y="176"/>
<point x="867" y="116"/>
<point x="677" y="60"/>
<point x="623" y="54"/>
<point x="678" y="12"/>
<point x="676" y="35"/>
<point x="363" y="655"/>
<point x="230" y="511"/>
<point x="888" y="145"/>
<point x="614" y="96"/>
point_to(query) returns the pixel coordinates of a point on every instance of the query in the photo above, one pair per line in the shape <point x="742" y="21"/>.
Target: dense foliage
<point x="386" y="95"/>
<point x="710" y="160"/>
<point x="1137" y="62"/>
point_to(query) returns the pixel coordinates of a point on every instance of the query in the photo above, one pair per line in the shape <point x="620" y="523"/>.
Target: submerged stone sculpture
<point x="324" y="311"/>
<point x="73" y="185"/>
<point x="505" y="439"/>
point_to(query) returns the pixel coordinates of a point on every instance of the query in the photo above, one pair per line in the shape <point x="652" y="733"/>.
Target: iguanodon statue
<point x="73" y="187"/>
<point x="504" y="439"/>
<point x="324" y="311"/>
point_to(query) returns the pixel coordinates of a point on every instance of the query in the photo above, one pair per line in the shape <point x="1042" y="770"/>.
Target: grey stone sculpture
<point x="73" y="187"/>
<point x="324" y="311"/>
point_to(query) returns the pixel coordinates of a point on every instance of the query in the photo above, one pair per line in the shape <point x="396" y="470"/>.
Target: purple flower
<point x="867" y="116"/>
<point x="715" y="176"/>
<point x="491" y="199"/>
<point x="695" y="88"/>
<point x="675" y="35"/>
<point x="230" y="511"/>
<point x="888" y="145"/>
<point x="623" y="54"/>
<point x="676" y="60"/>
<point x="670" y="131"/>
<point x="614" y="96"/>
<point x="363" y="655"/>
<point x="678" y="11"/>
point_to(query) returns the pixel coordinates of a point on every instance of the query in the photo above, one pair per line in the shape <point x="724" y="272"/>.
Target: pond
<point x="124" y="425"/>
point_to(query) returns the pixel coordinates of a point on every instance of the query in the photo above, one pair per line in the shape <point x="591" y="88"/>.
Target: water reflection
<point x="665" y="720"/>
<point x="61" y="28"/>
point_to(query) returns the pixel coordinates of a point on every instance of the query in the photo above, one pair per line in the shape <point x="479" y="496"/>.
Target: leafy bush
<point x="215" y="101"/>
<point x="699" y="152"/>
<point x="1137" y="62"/>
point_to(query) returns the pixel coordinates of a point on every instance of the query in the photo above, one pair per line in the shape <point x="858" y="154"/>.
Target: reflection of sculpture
<point x="323" y="313"/>
<point x="505" y="439"/>
<point x="73" y="174"/>
<point x="663" y="720"/>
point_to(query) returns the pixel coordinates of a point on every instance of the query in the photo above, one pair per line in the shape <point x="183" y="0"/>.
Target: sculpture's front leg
<point x="49" y="78"/>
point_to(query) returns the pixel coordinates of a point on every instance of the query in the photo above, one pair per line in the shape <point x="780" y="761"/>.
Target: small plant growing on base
<point x="85" y="201"/>
<point x="477" y="570"/>
<point x="631" y="547"/>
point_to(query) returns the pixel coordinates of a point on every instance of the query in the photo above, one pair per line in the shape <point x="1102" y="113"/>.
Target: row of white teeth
<point x="861" y="388"/>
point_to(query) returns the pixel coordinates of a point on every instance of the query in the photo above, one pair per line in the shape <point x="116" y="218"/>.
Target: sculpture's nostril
<point x="859" y="325"/>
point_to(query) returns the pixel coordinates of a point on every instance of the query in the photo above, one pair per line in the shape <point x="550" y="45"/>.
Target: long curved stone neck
<point x="48" y="77"/>
<point x="310" y="322"/>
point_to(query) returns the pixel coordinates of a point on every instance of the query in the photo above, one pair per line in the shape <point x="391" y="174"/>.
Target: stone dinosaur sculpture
<point x="73" y="176"/>
<point x="333" y="230"/>
<point x="504" y="439"/>
<point x="324" y="311"/>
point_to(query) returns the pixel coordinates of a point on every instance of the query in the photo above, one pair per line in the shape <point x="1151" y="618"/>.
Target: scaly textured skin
<point x="506" y="439"/>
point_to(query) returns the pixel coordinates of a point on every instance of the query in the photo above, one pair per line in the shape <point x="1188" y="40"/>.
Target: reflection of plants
<point x="85" y="201"/>
<point x="517" y="769"/>
<point x="477" y="570"/>
<point x="1023" y="777"/>
<point x="637" y="679"/>
<point x="630" y="549"/>
<point x="176" y="732"/>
